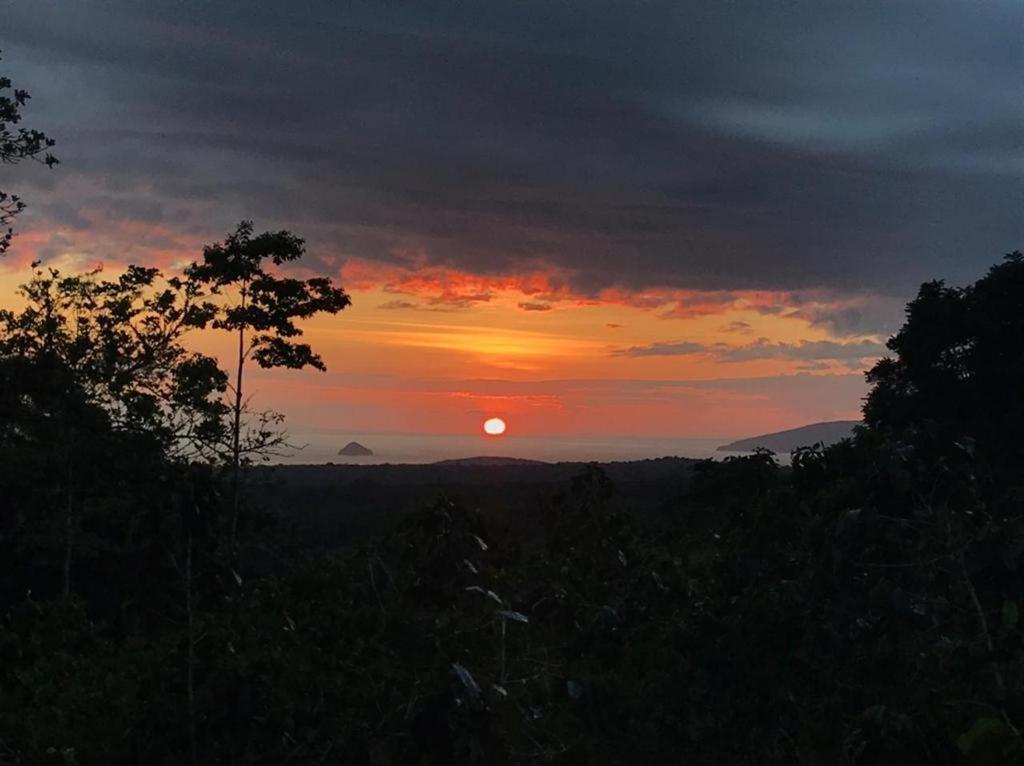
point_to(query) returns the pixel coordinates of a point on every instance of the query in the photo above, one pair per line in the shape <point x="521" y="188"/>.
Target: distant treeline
<point x="342" y="505"/>
<point x="860" y="606"/>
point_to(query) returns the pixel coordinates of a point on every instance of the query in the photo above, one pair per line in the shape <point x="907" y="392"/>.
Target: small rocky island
<point x="355" y="449"/>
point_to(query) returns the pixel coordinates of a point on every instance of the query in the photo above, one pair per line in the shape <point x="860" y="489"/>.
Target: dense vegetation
<point x="859" y="607"/>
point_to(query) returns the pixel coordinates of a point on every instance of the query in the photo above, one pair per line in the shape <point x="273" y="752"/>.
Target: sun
<point x="494" y="426"/>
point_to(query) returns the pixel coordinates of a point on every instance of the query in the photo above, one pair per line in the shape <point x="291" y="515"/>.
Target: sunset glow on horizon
<point x="592" y="239"/>
<point x="435" y="356"/>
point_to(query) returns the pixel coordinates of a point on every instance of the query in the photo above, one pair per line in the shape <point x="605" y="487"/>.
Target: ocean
<point x="320" y="447"/>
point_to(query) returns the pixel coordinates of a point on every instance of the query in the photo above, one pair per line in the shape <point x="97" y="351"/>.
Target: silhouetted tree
<point x="17" y="144"/>
<point x="958" y="369"/>
<point x="92" y="364"/>
<point x="122" y="339"/>
<point x="52" y="444"/>
<point x="261" y="309"/>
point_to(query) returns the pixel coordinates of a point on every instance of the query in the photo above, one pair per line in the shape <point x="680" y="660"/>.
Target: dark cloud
<point x="762" y="349"/>
<point x="738" y="326"/>
<point x="680" y="348"/>
<point x="865" y="316"/>
<point x="814" y="366"/>
<point x="457" y="300"/>
<point x="804" y="350"/>
<point x="533" y="306"/>
<point x="720" y="146"/>
<point x="437" y="304"/>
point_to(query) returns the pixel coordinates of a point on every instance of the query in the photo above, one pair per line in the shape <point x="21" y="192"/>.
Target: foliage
<point x="956" y="377"/>
<point x="267" y="305"/>
<point x="17" y="144"/>
<point x="121" y="340"/>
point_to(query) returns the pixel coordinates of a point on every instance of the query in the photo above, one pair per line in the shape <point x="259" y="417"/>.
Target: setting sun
<point x="494" y="426"/>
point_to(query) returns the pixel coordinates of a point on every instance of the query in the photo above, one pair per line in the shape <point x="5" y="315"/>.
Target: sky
<point x="589" y="218"/>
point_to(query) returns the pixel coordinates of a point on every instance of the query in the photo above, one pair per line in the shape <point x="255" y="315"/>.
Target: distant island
<point x="787" y="441"/>
<point x="355" y="449"/>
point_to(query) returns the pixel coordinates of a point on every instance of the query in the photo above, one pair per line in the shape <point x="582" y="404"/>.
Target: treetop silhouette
<point x="262" y="309"/>
<point x="17" y="144"/>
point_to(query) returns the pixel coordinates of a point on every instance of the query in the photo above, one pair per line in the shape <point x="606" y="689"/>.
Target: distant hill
<point x="486" y="460"/>
<point x="787" y="441"/>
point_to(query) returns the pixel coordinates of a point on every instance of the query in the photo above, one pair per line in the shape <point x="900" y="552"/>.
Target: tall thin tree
<point x="261" y="309"/>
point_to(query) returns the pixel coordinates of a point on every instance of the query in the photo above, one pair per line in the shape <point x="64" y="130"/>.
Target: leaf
<point x="874" y="714"/>
<point x="489" y="593"/>
<point x="467" y="680"/>
<point x="658" y="581"/>
<point x="981" y="734"/>
<point x="1011" y="614"/>
<point x="510" y="615"/>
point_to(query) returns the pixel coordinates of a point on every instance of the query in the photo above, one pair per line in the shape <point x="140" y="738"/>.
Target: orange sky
<point x="431" y="350"/>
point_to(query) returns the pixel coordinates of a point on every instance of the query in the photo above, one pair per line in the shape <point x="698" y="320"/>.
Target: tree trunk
<point x="69" y="519"/>
<point x="190" y="670"/>
<point x="236" y="437"/>
<point x="69" y="539"/>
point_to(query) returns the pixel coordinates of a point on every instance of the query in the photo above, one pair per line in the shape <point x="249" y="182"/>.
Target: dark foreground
<point x="860" y="606"/>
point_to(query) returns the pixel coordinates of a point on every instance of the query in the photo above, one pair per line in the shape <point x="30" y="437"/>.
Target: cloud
<point x="440" y="304"/>
<point x="804" y="350"/>
<point x="534" y="306"/>
<point x="454" y="299"/>
<point x="814" y="366"/>
<point x="813" y="127"/>
<point x="679" y="348"/>
<point x="761" y="349"/>
<point x="700" y="304"/>
<point x="713" y="147"/>
<point x="853" y="316"/>
<point x="738" y="326"/>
